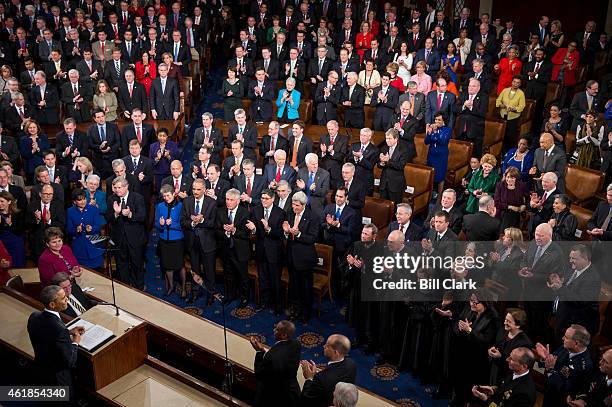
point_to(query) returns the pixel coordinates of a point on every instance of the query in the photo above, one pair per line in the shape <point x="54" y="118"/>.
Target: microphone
<point x="110" y="247"/>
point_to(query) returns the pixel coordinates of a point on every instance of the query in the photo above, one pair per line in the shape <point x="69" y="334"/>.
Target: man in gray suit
<point x="549" y="158"/>
<point x="314" y="182"/>
<point x="584" y="102"/>
<point x="165" y="101"/>
<point x="417" y="101"/>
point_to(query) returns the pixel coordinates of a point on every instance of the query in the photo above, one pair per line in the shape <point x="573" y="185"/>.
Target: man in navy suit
<point x="69" y="143"/>
<point x="181" y="183"/>
<point x="352" y="97"/>
<point x="104" y="142"/>
<point x="244" y="132"/>
<point x="333" y="150"/>
<point x="140" y="167"/>
<point x="143" y="133"/>
<point x="268" y="219"/>
<point x="279" y="171"/>
<point x="272" y="142"/>
<point x="261" y="91"/>
<point x="299" y="145"/>
<point x="249" y="184"/>
<point x="471" y="109"/>
<point x="384" y="98"/>
<point x="412" y="232"/>
<point x="301" y="230"/>
<point x="393" y="158"/>
<point x="364" y="156"/>
<point x="216" y="187"/>
<point x="181" y="55"/>
<point x="164" y="98"/>
<point x="355" y="188"/>
<point x="430" y="56"/>
<point x="45" y="100"/>
<point x="132" y="95"/>
<point x="440" y="101"/>
<point x="327" y="97"/>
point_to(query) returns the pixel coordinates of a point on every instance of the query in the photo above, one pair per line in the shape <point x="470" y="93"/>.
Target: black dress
<point x="505" y="345"/>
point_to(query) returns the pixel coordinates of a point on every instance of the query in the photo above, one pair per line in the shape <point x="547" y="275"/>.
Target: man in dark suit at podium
<point x="78" y="302"/>
<point x="276" y="368"/>
<point x="319" y="386"/>
<point x="55" y="347"/>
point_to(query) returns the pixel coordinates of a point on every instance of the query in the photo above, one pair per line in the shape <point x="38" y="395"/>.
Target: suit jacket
<point x="248" y="65"/>
<point x="44" y="51"/>
<point x="364" y="166"/>
<point x="384" y="110"/>
<point x="414" y="233"/>
<point x="446" y="108"/>
<point x="185" y="186"/>
<point x="516" y="393"/>
<point x="164" y="103"/>
<point x="326" y="106"/>
<point x="20" y="196"/>
<point x="578" y="301"/>
<point x="456" y="218"/>
<point x="81" y="297"/>
<point x="283" y="55"/>
<point x="138" y="99"/>
<point x="480" y="227"/>
<point x="597" y="220"/>
<point x="472" y="121"/>
<point x="313" y="68"/>
<point x="146" y="167"/>
<point x="343" y="236"/>
<point x="301" y="252"/>
<point x="555" y="163"/>
<point x="392" y="177"/>
<point x="184" y="55"/>
<point x="113" y="139"/>
<point x="484" y="78"/>
<point x="205" y="230"/>
<point x="129" y="134"/>
<point x="273" y="70"/>
<point x="12" y="119"/>
<point x="287" y="174"/>
<point x="580" y="106"/>
<point x="388" y="48"/>
<point x="135" y="52"/>
<point x="333" y="163"/>
<point x="49" y="114"/>
<point x="281" y="144"/>
<point x="134" y="184"/>
<point x="548" y="262"/>
<point x="299" y="72"/>
<point x="536" y="87"/>
<point x="85" y="72"/>
<point x="9" y="147"/>
<point x="258" y="184"/>
<point x="249" y="134"/>
<point x="319" y="391"/>
<point x="304" y="148"/>
<point x="236" y="245"/>
<point x="269" y="246"/>
<point x="354" y="113"/>
<point x="318" y="196"/>
<point x="444" y="247"/>
<point x="130" y="231"/>
<point x="419" y="106"/>
<point x="110" y="73"/>
<point x="356" y="194"/>
<point x="275" y="372"/>
<point x="407" y="132"/>
<point x="432" y="62"/>
<point x="54" y="353"/>
<point x="215" y="137"/>
<point x="37" y="228"/>
<point x="545" y="213"/>
<point x="261" y="107"/>
<point x="221" y="187"/>
<point x="79" y="111"/>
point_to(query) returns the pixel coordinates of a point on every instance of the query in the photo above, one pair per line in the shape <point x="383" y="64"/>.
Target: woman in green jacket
<point x="483" y="182"/>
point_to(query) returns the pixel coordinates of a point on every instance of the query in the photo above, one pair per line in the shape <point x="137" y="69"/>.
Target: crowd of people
<point x="92" y="64"/>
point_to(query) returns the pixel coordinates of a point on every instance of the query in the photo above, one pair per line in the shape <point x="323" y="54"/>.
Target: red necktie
<point x="131" y="88"/>
<point x="139" y="137"/>
<point x="176" y="186"/>
<point x="402" y="121"/>
<point x="116" y="33"/>
<point x="189" y="38"/>
<point x="102" y="44"/>
<point x="331" y="141"/>
<point x="44" y="213"/>
<point x="176" y="21"/>
<point x="439" y="101"/>
<point x="249" y="187"/>
<point x="278" y="174"/>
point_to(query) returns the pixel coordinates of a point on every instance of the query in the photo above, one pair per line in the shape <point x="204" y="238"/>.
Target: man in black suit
<point x="216" y="187"/>
<point x="42" y="178"/>
<point x="333" y="149"/>
<point x="440" y="101"/>
<point x="392" y="159"/>
<point x="70" y="143"/>
<point x="132" y="95"/>
<point x="114" y="70"/>
<point x="600" y="225"/>
<point x="120" y="170"/>
<point x="587" y="42"/>
<point x="17" y="192"/>
<point x="130" y="49"/>
<point x="8" y="148"/>
<point x="471" y="109"/>
<point x="344" y="65"/>
<point x="57" y="173"/>
<point x="56" y="70"/>
<point x="304" y="47"/>
<point x="210" y="137"/>
<point x="16" y="112"/>
<point x="299" y="146"/>
<point x="464" y="21"/>
<point x="327" y="97"/>
<point x="143" y="133"/>
<point x="364" y="156"/>
<point x="244" y="132"/>
<point x="412" y="232"/>
<point x="43" y="213"/>
<point x="576" y="294"/>
<point x="55" y="347"/>
<point x="585" y="101"/>
<point x="482" y="226"/>
<point x="243" y="65"/>
<point x="249" y="47"/>
<point x="104" y="142"/>
<point x="447" y="204"/>
<point x="280" y="50"/>
<point x="486" y="39"/>
<point x="406" y="125"/>
<point x="276" y="368"/>
<point x="384" y="98"/>
<point x="548" y="158"/>
<point x="268" y="64"/>
<point x="541" y="206"/>
<point x="249" y="184"/>
<point x="181" y="54"/>
<point x="45" y="100"/>
<point x="346" y="34"/>
<point x="440" y="240"/>
<point x="536" y="75"/>
<point x="76" y="97"/>
<point x="90" y="69"/>
<point x="164" y="98"/>
<point x="272" y="142"/>
<point x="477" y="72"/>
<point x="352" y="97"/>
<point x="479" y="54"/>
<point x="262" y="93"/>
<point x="319" y="67"/>
<point x="140" y="167"/>
<point x="181" y="183"/>
<point x="294" y="68"/>
<point x="268" y="219"/>
<point x="517" y="387"/>
<point x="233" y="239"/>
<point x="319" y="385"/>
<point x="126" y="217"/>
<point x="78" y="302"/>
<point x="198" y="220"/>
<point x="356" y="191"/>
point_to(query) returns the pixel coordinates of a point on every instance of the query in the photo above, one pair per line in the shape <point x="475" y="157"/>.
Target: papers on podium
<point x="94" y="336"/>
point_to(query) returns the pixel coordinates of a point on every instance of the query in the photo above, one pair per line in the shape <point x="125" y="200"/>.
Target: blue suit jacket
<point x="433" y="62"/>
<point x="174" y="230"/>
<point x="292" y="110"/>
<point x="288" y="174"/>
<point x="343" y="236"/>
<point x="448" y="102"/>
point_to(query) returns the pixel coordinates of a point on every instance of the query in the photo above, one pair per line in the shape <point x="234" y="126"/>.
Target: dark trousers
<point x="538" y="313"/>
<point x="129" y="262"/>
<point x="103" y="165"/>
<point x="303" y="289"/>
<point x="236" y="277"/>
<point x="203" y="264"/>
<point x="269" y="284"/>
<point x="511" y="136"/>
<point x="396" y="197"/>
<point x="355" y="120"/>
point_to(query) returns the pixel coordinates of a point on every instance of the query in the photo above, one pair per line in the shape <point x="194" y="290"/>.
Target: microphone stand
<point x="110" y="247"/>
<point x="228" y="380"/>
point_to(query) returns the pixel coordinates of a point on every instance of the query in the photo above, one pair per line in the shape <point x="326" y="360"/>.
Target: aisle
<point x="384" y="380"/>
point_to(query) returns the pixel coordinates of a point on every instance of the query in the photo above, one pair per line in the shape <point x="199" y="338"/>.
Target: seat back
<point x="570" y="142"/>
<point x="459" y="154"/>
<point x="494" y="137"/>
<point x="553" y="92"/>
<point x="421" y="149"/>
<point x="420" y="179"/>
<point x="15" y="282"/>
<point x="325" y="259"/>
<point x="492" y="110"/>
<point x="583" y="215"/>
<point x="582" y="184"/>
<point x="526" y="119"/>
<point x="305" y="110"/>
<point x="380" y="211"/>
<point x="369" y="116"/>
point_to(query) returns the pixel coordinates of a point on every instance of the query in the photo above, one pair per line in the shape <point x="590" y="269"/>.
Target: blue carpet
<point x="384" y="380"/>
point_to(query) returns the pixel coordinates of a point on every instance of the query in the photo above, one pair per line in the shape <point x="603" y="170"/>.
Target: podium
<point x="124" y="352"/>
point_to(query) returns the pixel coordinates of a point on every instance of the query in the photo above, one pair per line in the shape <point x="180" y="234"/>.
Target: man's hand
<point x="286" y="227"/>
<point x="154" y="114"/>
<point x="309" y="369"/>
<point x="250" y="225"/>
<point x="256" y="344"/>
<point x="76" y="333"/>
<point x="300" y="184"/>
<point x="525" y="273"/>
<point x="126" y="212"/>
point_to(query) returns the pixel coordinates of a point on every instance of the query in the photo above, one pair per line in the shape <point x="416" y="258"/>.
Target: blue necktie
<point x="337" y="212"/>
<point x="310" y="181"/>
<point x="231" y="217"/>
<point x="197" y="207"/>
<point x="102" y="134"/>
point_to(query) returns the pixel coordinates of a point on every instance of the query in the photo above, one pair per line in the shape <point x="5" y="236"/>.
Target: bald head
<point x="546" y="141"/>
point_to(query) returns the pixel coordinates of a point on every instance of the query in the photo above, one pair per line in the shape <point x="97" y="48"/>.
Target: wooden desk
<point x="14" y="315"/>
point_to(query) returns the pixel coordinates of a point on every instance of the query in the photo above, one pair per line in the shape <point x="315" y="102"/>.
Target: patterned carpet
<point x="384" y="380"/>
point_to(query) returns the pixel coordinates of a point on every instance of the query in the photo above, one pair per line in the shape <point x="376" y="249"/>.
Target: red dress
<point x="398" y="83"/>
<point x="363" y="42"/>
<point x="507" y="70"/>
<point x="143" y="78"/>
<point x="569" y="73"/>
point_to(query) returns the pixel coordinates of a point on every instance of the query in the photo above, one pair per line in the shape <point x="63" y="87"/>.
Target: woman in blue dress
<point x="520" y="157"/>
<point x="95" y="196"/>
<point x="437" y="138"/>
<point x="162" y="153"/>
<point x="451" y="62"/>
<point x="170" y="246"/>
<point x="12" y="229"/>
<point x="83" y="220"/>
<point x="32" y="145"/>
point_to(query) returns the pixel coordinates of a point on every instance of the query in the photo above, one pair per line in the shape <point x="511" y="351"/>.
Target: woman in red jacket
<point x="507" y="68"/>
<point x="146" y="71"/>
<point x="565" y="61"/>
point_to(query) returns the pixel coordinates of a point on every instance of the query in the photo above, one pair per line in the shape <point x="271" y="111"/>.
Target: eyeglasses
<point x="475" y="302"/>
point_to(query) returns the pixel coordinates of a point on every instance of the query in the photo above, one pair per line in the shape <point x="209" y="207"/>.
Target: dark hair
<point x="53" y="232"/>
<point x="443" y="214"/>
<point x="583" y="249"/>
<point x="78" y="194"/>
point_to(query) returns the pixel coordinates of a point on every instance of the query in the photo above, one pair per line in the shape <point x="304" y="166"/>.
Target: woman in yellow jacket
<point x="511" y="102"/>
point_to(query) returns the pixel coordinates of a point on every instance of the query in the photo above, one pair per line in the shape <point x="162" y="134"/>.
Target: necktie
<point x="249" y="187"/>
<point x="439" y="101"/>
<point x="546" y="154"/>
<point x="278" y="175"/>
<point x="189" y="37"/>
<point x="296" y="144"/>
<point x="176" y="51"/>
<point x="537" y="67"/>
<point x="51" y="174"/>
<point x="266" y="213"/>
<point x="175" y="21"/>
<point x="102" y="133"/>
<point x="206" y="136"/>
<point x="320" y="66"/>
<point x="296" y="222"/>
<point x="44" y="213"/>
<point x="362" y="149"/>
<point x="138" y="134"/>
<point x="21" y="114"/>
<point x="230" y="217"/>
<point x="75" y="305"/>
<point x="118" y="69"/>
<point x="606" y="223"/>
<point x="310" y="181"/>
<point x="197" y="207"/>
<point x="266" y="64"/>
<point x="123" y="203"/>
<point x="75" y="90"/>
<point x="176" y="185"/>
<point x="402" y="119"/>
<point x="331" y="140"/>
<point x="351" y="91"/>
<point x="135" y="164"/>
<point x="131" y="88"/>
<point x="337" y="214"/>
<point x="590" y="101"/>
<point x="103" y="52"/>
<point x="116" y="31"/>
<point x="129" y="48"/>
<point x="163" y="83"/>
<point x="537" y="256"/>
<point x="426" y="55"/>
<point x="70" y="139"/>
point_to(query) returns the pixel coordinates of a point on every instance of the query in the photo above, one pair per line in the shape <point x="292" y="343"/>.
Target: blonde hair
<point x="488" y="159"/>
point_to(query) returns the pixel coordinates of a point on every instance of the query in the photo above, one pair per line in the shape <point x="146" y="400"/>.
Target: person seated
<point x="57" y="257"/>
<point x="83" y="220"/>
<point x="77" y="301"/>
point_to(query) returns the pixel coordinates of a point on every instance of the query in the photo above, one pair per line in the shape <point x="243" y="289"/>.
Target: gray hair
<point x="345" y="395"/>
<point x="69" y="120"/>
<point x="120" y="180"/>
<point x="551" y="176"/>
<point x="334" y="123"/>
<point x="352" y="75"/>
<point x="163" y="64"/>
<point x="73" y="72"/>
<point x="239" y="111"/>
<point x="477" y="62"/>
<point x="484" y="202"/>
<point x="412" y="84"/>
<point x="248" y="161"/>
<point x="299" y="197"/>
<point x="165" y="189"/>
<point x="49" y="294"/>
<point x="290" y="81"/>
<point x="406" y="207"/>
<point x="279" y="153"/>
<point x="117" y="163"/>
<point x="16" y="95"/>
<point x="59" y="278"/>
<point x="609" y="187"/>
<point x="349" y="166"/>
<point x="310" y="157"/>
<point x="284" y="183"/>
<point x="581" y="335"/>
<point x="207" y="114"/>
<point x="366" y="131"/>
<point x="93" y="177"/>
<point x="234" y="193"/>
